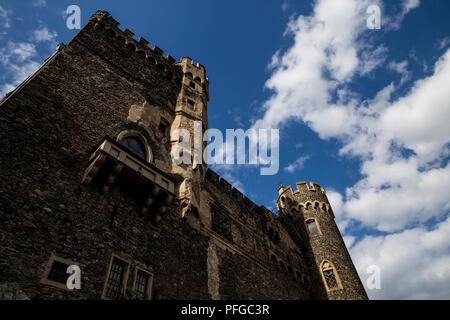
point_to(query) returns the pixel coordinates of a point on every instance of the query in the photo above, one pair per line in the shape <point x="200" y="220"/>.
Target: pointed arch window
<point x="330" y="276"/>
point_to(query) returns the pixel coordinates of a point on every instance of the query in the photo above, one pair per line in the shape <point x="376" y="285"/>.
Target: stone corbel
<point x="92" y="169"/>
<point x="163" y="207"/>
<point x="112" y="177"/>
<point x="150" y="199"/>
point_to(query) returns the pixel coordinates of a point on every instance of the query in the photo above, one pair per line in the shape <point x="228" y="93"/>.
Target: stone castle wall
<point x="102" y="83"/>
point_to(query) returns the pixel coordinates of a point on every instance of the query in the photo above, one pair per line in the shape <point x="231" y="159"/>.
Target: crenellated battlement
<point x="188" y="66"/>
<point x="195" y="73"/>
<point x="306" y="196"/>
<point x="302" y="186"/>
<point x="153" y="56"/>
<point x="234" y="193"/>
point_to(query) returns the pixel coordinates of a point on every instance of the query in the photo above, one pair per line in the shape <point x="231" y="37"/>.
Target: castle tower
<point x="333" y="274"/>
<point x="191" y="115"/>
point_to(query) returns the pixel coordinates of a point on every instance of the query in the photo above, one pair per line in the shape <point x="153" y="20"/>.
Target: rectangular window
<point x="55" y="273"/>
<point x="58" y="272"/>
<point x="312" y="227"/>
<point x="190" y="104"/>
<point x="116" y="279"/>
<point x="143" y="283"/>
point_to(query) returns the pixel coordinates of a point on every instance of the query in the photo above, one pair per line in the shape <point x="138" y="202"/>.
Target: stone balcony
<point x="112" y="163"/>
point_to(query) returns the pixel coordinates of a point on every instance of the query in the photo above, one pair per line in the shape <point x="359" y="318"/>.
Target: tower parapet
<point x="307" y="211"/>
<point x="153" y="56"/>
<point x="304" y="197"/>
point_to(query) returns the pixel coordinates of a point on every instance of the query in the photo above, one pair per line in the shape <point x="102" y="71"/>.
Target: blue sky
<point x="362" y="112"/>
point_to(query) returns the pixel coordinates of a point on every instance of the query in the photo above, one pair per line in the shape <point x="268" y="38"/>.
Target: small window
<point x="330" y="279"/>
<point x="58" y="272"/>
<point x="143" y="283"/>
<point x="285" y="203"/>
<point x="192" y="85"/>
<point x="312" y="226"/>
<point x="134" y="145"/>
<point x="116" y="279"/>
<point x="55" y="273"/>
<point x="191" y="104"/>
<point x="330" y="276"/>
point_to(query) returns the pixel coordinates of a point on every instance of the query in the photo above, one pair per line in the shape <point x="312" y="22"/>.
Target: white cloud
<point x="395" y="21"/>
<point x="17" y="51"/>
<point x="297" y="164"/>
<point x="5" y="20"/>
<point x="443" y="43"/>
<point x="401" y="142"/>
<point x="19" y="74"/>
<point x="349" y="241"/>
<point x="378" y="130"/>
<point x="44" y="34"/>
<point x="401" y="68"/>
<point x="414" y="264"/>
<point x="408" y="5"/>
<point x="17" y="61"/>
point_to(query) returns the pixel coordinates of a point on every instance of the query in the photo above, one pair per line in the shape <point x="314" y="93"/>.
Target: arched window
<point x="133" y="144"/>
<point x="330" y="276"/>
<point x="285" y="202"/>
<point x="312" y="226"/>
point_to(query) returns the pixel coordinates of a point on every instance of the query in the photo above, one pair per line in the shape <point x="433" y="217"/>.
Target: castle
<point x="87" y="179"/>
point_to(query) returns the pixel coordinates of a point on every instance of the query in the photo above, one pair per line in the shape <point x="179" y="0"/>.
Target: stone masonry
<point x="72" y="192"/>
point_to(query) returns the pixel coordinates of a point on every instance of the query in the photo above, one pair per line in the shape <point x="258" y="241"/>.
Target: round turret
<point x="333" y="274"/>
